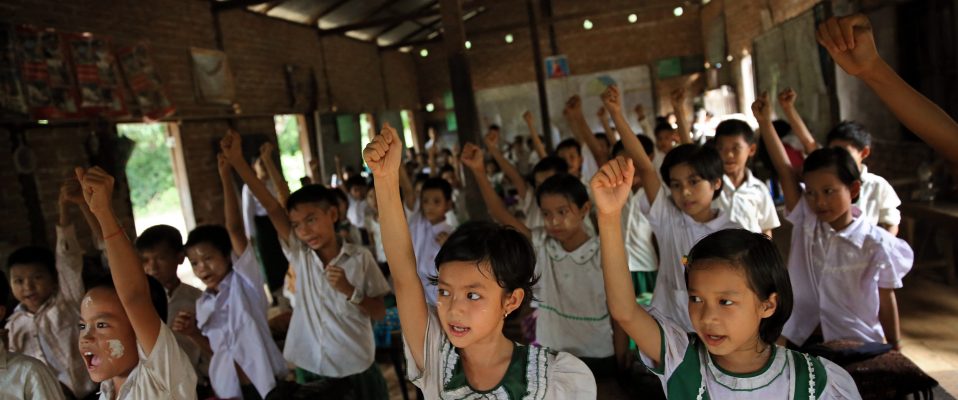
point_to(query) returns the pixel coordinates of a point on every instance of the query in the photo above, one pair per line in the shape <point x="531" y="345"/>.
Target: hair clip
<point x="685" y="261"/>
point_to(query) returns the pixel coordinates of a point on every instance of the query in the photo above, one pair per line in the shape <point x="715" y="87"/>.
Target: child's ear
<point x="867" y="151"/>
<point x="716" y="184"/>
<point x="584" y="210"/>
<point x="513" y="300"/>
<point x="855" y="189"/>
<point x="752" y="148"/>
<point x="333" y="213"/>
<point x="769" y="306"/>
<point x="180" y="257"/>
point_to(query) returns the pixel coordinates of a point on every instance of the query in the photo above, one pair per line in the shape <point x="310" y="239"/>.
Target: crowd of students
<point x="613" y="249"/>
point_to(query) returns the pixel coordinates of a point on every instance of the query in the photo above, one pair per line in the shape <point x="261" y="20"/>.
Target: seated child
<point x="746" y="199"/>
<point x="125" y="344"/>
<point x="484" y="272"/>
<point x="23" y="377"/>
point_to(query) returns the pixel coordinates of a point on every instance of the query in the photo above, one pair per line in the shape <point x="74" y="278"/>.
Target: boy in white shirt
<point x="428" y="226"/>
<point x="23" y="377"/>
<point x="746" y="199"/>
<point x="339" y="287"/>
<point x="356" y="188"/>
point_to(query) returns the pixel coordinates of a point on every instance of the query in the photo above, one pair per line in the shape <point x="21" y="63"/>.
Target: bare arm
<point x="888" y="316"/>
<point x="231" y="147"/>
<point x="682" y="116"/>
<point x="509" y="170"/>
<point x="612" y="134"/>
<point x="762" y="109"/>
<point x="787" y="100"/>
<point x="650" y="177"/>
<point x="231" y="211"/>
<point x="282" y="188"/>
<point x="472" y="159"/>
<point x="537" y="145"/>
<point x="580" y="129"/>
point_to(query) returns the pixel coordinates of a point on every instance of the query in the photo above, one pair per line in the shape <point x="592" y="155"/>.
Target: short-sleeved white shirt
<point x="356" y="212"/>
<point x="328" y="335"/>
<point x="638" y="235"/>
<point x="184" y="298"/>
<point x="162" y="374"/>
<point x="750" y="204"/>
<point x="676" y="232"/>
<point x="26" y="378"/>
<point x="836" y="276"/>
<point x="877" y="200"/>
<point x="426" y="247"/>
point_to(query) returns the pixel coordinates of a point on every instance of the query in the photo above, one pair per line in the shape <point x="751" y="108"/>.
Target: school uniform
<point x="425" y="247"/>
<point x="533" y="218"/>
<point x="836" y="276"/>
<point x="356" y="212"/>
<point x="184" y="298"/>
<point x="877" y="200"/>
<point x="750" y="205"/>
<point x="26" y="378"/>
<point x="533" y="373"/>
<point x="637" y="231"/>
<point x="51" y="334"/>
<point x="374" y="229"/>
<point x="687" y="371"/>
<point x="676" y="232"/>
<point x="573" y="315"/>
<point x="158" y="375"/>
<point x="330" y="337"/>
<point x="234" y="319"/>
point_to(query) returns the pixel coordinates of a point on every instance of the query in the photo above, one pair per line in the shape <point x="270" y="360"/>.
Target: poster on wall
<point x="144" y="81"/>
<point x="96" y="75"/>
<point x="47" y="80"/>
<point x="212" y="76"/>
<point x="557" y="67"/>
<point x="11" y="89"/>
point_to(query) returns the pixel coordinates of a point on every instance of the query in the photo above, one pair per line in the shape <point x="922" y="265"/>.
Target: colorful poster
<point x="144" y="81"/>
<point x="11" y="89"/>
<point x="46" y="75"/>
<point x="557" y="67"/>
<point x="96" y="75"/>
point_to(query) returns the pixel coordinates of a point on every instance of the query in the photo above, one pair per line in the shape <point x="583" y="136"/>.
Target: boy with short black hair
<point x="745" y="198"/>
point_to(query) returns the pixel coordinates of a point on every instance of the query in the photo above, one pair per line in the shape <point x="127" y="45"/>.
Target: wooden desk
<point x="936" y="217"/>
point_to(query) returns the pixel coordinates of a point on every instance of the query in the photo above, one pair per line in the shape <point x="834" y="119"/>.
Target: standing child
<point x="23" y="377"/>
<point x="679" y="218"/>
<point x="484" y="272"/>
<point x="739" y="298"/>
<point x="339" y="288"/>
<point x="745" y="198"/>
<point x="356" y="188"/>
<point x="844" y="269"/>
<point x="231" y="314"/>
<point x="125" y="344"/>
<point x="643" y="261"/>
<point x="427" y="208"/>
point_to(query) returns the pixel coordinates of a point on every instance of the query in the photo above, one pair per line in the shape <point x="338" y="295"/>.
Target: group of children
<point x="592" y="227"/>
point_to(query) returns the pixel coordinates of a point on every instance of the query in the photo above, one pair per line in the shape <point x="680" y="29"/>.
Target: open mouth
<point x="458" y="331"/>
<point x="92" y="361"/>
<point x="714" y="340"/>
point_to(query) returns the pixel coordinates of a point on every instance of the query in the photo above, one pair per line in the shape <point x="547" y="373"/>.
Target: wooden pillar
<point x="540" y="73"/>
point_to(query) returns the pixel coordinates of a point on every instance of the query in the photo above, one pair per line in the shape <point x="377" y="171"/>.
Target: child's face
<point x="735" y="152"/>
<point x="471" y="305"/>
<point x="691" y="193"/>
<point x="161" y="262"/>
<point x="371" y="200"/>
<point x="665" y="140"/>
<point x="827" y="196"/>
<point x="209" y="264"/>
<point x="858" y="155"/>
<point x="573" y="158"/>
<point x="724" y="310"/>
<point x="32" y="285"/>
<point x="357" y="192"/>
<point x="107" y="340"/>
<point x="343" y="207"/>
<point x="434" y="205"/>
<point x="541" y="176"/>
<point x="562" y="218"/>
<point x="313" y="224"/>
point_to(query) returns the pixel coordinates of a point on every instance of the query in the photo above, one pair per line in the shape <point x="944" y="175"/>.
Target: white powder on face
<point x="87" y="301"/>
<point x="116" y="348"/>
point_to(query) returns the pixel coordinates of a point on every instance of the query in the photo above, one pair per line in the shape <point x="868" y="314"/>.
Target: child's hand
<point x="527" y="116"/>
<point x="337" y="279"/>
<point x="678" y="99"/>
<point x="441" y="237"/>
<point x="70" y="192"/>
<point x="640" y="111"/>
<point x="611" y="99"/>
<point x="232" y="147"/>
<point x="266" y="150"/>
<point x="383" y="154"/>
<point x="472" y="158"/>
<point x="786" y="98"/>
<point x="762" y="109"/>
<point x="601" y="113"/>
<point x="851" y="43"/>
<point x="223" y="165"/>
<point x="185" y="324"/>
<point x="573" y="106"/>
<point x="97" y="188"/>
<point x="492" y="141"/>
<point x="612" y="185"/>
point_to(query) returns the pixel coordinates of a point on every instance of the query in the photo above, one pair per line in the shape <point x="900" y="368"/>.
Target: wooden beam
<point x="540" y="73"/>
<point x="229" y="5"/>
<point x="378" y="22"/>
<point x="396" y="24"/>
<point x="403" y="40"/>
<point x="314" y="20"/>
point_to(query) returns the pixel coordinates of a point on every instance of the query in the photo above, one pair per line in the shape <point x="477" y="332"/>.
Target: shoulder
<point x="566" y="376"/>
<point x="839" y="383"/>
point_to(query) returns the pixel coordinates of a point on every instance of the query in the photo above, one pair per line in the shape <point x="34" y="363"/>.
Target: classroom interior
<point x="314" y="77"/>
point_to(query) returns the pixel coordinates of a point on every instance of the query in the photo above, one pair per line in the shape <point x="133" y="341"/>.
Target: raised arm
<point x="604" y="120"/>
<point x="791" y="189"/>
<point x="266" y="157"/>
<point x="231" y="210"/>
<point x="850" y="42"/>
<point x="472" y="159"/>
<point x="534" y="136"/>
<point x="644" y="122"/>
<point x="69" y="254"/>
<point x="786" y="99"/>
<point x="383" y="155"/>
<point x="125" y="267"/>
<point x="231" y="146"/>
<point x="681" y="115"/>
<point x="509" y="170"/>
<point x="650" y="177"/>
<point x="610" y="188"/>
<point x="580" y="129"/>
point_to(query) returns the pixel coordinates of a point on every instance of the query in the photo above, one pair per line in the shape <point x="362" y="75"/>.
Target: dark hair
<point x="5" y="298"/>
<point x="510" y="254"/>
<point x="782" y="127"/>
<point x="603" y="137"/>
<point x="215" y="235"/>
<point x="38" y="255"/>
<point x="647" y="146"/>
<point x="764" y="269"/>
<point x="735" y="127"/>
<point x="555" y="164"/>
<point x="852" y="132"/>
<point x="705" y="160"/>
<point x="438" y="184"/>
<point x="837" y="158"/>
<point x="494" y="127"/>
<point x="157" y="292"/>
<point x="663" y="126"/>
<point x="569" y="144"/>
<point x="564" y="185"/>
<point x="446" y="168"/>
<point x="157" y="235"/>
<point x="355" y="181"/>
<point x="323" y="196"/>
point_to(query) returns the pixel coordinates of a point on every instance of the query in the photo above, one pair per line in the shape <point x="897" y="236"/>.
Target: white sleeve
<point x="570" y="379"/>
<point x="249" y="212"/>
<point x="661" y="210"/>
<point x="374" y="283"/>
<point x="840" y="384"/>
<point x="168" y="365"/>
<point x="888" y="212"/>
<point x="894" y="259"/>
<point x="675" y="343"/>
<point x="768" y="219"/>
<point x="294" y="250"/>
<point x="427" y="379"/>
<point x="69" y="263"/>
<point x="39" y="383"/>
<point x="589" y="165"/>
<point x="798" y="214"/>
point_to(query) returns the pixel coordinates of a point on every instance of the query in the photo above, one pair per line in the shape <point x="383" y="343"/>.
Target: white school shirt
<point x="51" y="334"/>
<point x="547" y="374"/>
<point x="158" y="375"/>
<point x="328" y="335"/>
<point x="589" y="165"/>
<point x="425" y="246"/>
<point x="234" y="320"/>
<point x="750" y="205"/>
<point x="637" y="232"/>
<point x="877" y="200"/>
<point x="375" y="231"/>
<point x="26" y="378"/>
<point x="573" y="315"/>
<point x="252" y="207"/>
<point x="356" y="213"/>
<point x="657" y="159"/>
<point x="836" y="276"/>
<point x="686" y="365"/>
<point x="676" y="232"/>
<point x="184" y="298"/>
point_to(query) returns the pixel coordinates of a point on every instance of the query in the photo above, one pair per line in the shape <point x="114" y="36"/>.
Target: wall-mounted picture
<point x="212" y="76"/>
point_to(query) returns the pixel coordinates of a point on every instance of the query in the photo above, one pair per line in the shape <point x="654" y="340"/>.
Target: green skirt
<point x="369" y="384"/>
<point x="643" y="282"/>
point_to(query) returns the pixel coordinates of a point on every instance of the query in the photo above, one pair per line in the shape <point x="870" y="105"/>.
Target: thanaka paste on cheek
<point x="116" y="348"/>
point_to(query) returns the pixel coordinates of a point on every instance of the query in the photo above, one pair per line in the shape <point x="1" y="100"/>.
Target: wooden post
<point x="540" y="73"/>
